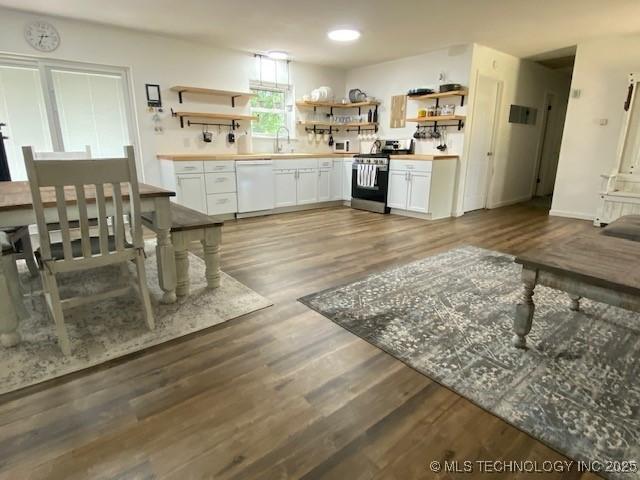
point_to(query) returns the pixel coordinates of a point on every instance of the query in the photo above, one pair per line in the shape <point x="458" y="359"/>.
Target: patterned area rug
<point x="109" y="329"/>
<point x="450" y="317"/>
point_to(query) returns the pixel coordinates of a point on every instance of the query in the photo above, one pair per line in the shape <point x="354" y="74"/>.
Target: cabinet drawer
<point x="219" y="166"/>
<point x="220" y="203"/>
<point x="412" y="165"/>
<point x="220" y="182"/>
<point x="281" y="164"/>
<point x="325" y="163"/>
<point x="188" y="167"/>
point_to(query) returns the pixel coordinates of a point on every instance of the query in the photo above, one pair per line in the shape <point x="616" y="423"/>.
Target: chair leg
<point x="27" y="252"/>
<point x="144" y="291"/>
<point x="52" y="296"/>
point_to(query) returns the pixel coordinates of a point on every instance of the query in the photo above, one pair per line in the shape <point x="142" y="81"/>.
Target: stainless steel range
<point x="370" y="175"/>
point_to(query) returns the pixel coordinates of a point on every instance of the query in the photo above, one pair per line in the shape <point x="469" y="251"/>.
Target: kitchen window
<point x="63" y="106"/>
<point x="270" y="105"/>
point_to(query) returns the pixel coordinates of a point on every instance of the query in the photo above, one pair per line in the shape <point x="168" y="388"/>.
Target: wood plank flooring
<point x="283" y="392"/>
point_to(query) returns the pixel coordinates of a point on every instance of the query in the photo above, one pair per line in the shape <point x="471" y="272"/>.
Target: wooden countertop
<point x="422" y="157"/>
<point x="177" y="157"/>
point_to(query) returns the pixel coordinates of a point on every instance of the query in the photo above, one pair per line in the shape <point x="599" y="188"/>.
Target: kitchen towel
<point x="367" y="175"/>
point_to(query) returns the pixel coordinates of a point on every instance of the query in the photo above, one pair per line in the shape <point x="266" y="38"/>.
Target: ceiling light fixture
<point x="277" y="55"/>
<point x="344" y="35"/>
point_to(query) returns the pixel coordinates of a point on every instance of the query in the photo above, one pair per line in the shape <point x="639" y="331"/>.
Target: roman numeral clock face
<point x="42" y="36"/>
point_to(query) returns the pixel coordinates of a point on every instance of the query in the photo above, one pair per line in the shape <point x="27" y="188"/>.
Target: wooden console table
<point x="604" y="269"/>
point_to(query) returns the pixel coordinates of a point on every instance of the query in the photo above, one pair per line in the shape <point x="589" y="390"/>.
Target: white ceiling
<point x="390" y="29"/>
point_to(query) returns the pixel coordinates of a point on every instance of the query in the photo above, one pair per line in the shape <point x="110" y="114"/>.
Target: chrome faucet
<point x="278" y="145"/>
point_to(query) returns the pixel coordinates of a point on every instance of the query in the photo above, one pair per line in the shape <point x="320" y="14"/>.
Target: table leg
<point x="180" y="243"/>
<point x="164" y="250"/>
<point x="211" y="247"/>
<point x="525" y="309"/>
<point x="9" y="313"/>
<point x="575" y="302"/>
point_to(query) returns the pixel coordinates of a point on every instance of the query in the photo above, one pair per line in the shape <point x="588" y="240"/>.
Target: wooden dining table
<point x="16" y="209"/>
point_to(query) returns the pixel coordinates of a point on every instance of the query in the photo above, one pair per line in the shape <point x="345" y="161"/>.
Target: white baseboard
<point x="513" y="201"/>
<point x="578" y="215"/>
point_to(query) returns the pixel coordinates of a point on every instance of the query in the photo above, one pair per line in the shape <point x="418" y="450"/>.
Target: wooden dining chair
<point x="83" y="189"/>
<point x="19" y="237"/>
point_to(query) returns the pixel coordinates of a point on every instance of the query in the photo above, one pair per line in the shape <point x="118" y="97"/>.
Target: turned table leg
<point x="181" y="244"/>
<point x="11" y="300"/>
<point x="575" y="302"/>
<point x="164" y="250"/>
<point x="525" y="309"/>
<point x="211" y="247"/>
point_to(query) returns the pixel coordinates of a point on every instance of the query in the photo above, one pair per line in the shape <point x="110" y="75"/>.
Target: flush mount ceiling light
<point x="277" y="55"/>
<point x="344" y="35"/>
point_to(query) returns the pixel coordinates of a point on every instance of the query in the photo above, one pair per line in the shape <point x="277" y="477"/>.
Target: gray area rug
<point x="109" y="329"/>
<point x="450" y="317"/>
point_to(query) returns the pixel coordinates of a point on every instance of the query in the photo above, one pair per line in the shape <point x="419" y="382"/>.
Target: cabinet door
<point x="324" y="184"/>
<point x="346" y="180"/>
<point x="191" y="191"/>
<point x="285" y="183"/>
<point x="419" y="187"/>
<point x="398" y="189"/>
<point x="307" y="185"/>
<point x="336" y="180"/>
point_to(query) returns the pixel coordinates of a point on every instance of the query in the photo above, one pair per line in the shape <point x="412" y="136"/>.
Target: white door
<point x="346" y="179"/>
<point x="336" y="180"/>
<point x="398" y="189"/>
<point x="191" y="191"/>
<point x="307" y="191"/>
<point x="419" y="187"/>
<point x="285" y="187"/>
<point x="480" y="155"/>
<point x="324" y="185"/>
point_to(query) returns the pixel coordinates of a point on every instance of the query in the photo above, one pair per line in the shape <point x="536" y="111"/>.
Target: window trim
<point x="45" y="65"/>
<point x="288" y="110"/>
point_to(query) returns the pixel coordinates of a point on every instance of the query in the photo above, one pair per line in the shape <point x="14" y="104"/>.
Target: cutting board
<point x="398" y="111"/>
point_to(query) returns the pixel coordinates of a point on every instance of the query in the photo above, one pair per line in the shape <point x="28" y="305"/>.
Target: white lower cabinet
<point x="221" y="203"/>
<point x="336" y="179"/>
<point x="191" y="191"/>
<point x="307" y="188"/>
<point x="409" y="186"/>
<point x="286" y="183"/>
<point x="324" y="184"/>
<point x="347" y="167"/>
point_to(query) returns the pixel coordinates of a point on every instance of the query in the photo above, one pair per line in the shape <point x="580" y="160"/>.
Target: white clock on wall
<point x="42" y="36"/>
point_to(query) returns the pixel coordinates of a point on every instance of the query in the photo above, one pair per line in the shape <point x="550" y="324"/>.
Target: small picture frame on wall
<point x="153" y="95"/>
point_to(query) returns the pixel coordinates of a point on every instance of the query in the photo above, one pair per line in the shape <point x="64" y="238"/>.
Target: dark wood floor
<point x="283" y="392"/>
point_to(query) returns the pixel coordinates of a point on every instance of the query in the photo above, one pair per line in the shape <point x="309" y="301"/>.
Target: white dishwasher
<point x="256" y="186"/>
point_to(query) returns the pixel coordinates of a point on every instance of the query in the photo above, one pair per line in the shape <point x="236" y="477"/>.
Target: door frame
<point x="492" y="141"/>
<point x="542" y="138"/>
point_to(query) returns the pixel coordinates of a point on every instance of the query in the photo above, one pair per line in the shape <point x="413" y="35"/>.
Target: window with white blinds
<point x="63" y="107"/>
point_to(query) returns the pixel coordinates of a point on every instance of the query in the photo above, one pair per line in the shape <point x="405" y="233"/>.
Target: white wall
<point x="396" y="77"/>
<point x="166" y="61"/>
<point x="588" y="148"/>
<point x="516" y="148"/>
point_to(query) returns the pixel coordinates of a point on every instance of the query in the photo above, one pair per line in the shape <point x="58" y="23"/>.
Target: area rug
<point x="109" y="329"/>
<point x="450" y="317"/>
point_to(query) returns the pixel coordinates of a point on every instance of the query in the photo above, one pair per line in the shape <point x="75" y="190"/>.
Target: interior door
<point x="324" y="185"/>
<point x="191" y="191"/>
<point x="285" y="187"/>
<point x="419" y="187"/>
<point x="307" y="189"/>
<point x="479" y="164"/>
<point x="398" y="189"/>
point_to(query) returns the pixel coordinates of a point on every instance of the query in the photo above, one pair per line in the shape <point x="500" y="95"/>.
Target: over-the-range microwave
<point x="342" y="146"/>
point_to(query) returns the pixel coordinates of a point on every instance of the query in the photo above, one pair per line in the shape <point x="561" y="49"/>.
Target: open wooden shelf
<point x="334" y="124"/>
<point x="217" y="116"/>
<point x="211" y="91"/>
<point x="429" y="96"/>
<point x="301" y="103"/>
<point x="441" y="118"/>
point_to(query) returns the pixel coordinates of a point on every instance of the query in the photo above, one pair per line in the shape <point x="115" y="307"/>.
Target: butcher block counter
<point x="177" y="157"/>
